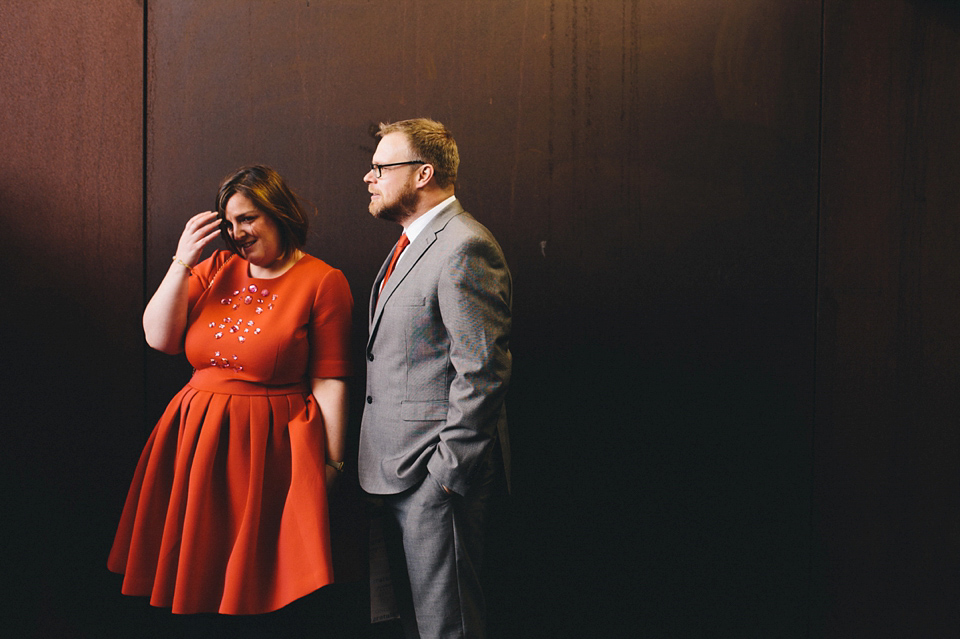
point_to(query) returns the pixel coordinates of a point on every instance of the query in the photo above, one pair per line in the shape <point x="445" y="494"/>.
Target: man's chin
<point x="387" y="214"/>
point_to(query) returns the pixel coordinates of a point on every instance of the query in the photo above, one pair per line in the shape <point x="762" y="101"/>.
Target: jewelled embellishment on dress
<point x="250" y="294"/>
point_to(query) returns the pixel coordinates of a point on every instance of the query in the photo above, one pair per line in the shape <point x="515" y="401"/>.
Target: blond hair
<point x="433" y="143"/>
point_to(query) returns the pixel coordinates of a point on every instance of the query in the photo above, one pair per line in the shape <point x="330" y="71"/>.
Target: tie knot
<point x="403" y="243"/>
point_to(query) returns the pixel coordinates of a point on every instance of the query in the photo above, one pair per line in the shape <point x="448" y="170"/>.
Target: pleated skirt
<point x="227" y="510"/>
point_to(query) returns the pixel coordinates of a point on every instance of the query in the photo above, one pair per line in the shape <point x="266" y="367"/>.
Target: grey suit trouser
<point x="435" y="547"/>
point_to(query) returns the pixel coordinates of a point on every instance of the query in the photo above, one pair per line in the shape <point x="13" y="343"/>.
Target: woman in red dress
<point x="227" y="511"/>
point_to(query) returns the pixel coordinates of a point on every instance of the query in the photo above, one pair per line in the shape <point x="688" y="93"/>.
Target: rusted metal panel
<point x="71" y="208"/>
<point x="651" y="170"/>
<point x="887" y="447"/>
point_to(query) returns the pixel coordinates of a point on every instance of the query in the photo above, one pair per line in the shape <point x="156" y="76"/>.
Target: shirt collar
<point x="421" y="222"/>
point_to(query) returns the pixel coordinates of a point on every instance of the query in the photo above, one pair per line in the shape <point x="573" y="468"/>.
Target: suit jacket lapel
<point x="412" y="255"/>
<point x="375" y="291"/>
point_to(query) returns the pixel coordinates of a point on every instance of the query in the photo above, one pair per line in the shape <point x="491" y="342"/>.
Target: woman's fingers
<point x="200" y="230"/>
<point x="209" y="233"/>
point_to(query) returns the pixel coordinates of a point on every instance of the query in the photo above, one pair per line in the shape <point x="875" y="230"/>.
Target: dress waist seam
<point x="203" y="380"/>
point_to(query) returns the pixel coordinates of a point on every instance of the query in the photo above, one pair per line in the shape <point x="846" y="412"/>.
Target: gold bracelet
<point x="337" y="466"/>
<point x="183" y="264"/>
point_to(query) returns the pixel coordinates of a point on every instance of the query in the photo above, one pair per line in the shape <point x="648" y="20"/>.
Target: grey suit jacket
<point x="438" y="359"/>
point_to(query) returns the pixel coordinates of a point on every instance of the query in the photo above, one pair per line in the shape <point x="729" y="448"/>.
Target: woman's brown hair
<point x="270" y="194"/>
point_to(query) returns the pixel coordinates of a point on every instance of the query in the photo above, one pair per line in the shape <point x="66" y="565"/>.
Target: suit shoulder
<point x="470" y="243"/>
<point x="465" y="228"/>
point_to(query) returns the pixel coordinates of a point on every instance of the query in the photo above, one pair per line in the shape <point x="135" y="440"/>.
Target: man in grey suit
<point x="433" y="440"/>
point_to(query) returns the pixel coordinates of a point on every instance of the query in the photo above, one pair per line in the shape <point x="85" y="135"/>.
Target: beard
<point x="400" y="210"/>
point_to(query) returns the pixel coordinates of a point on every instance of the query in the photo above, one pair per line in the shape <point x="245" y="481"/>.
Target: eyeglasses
<point x="378" y="168"/>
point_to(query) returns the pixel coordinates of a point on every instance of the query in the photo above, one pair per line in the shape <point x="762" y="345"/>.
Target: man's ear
<point x="424" y="175"/>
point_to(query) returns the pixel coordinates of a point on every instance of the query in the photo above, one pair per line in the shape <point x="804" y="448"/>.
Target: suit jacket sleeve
<point x="474" y="295"/>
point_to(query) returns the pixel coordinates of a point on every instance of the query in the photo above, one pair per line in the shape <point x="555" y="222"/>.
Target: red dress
<point x="227" y="511"/>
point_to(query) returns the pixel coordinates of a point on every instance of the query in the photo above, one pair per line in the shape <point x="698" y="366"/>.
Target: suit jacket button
<point x="370" y="357"/>
<point x="369" y="399"/>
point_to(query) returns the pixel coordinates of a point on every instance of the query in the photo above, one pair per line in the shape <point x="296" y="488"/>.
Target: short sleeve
<point x="202" y="276"/>
<point x="330" y="328"/>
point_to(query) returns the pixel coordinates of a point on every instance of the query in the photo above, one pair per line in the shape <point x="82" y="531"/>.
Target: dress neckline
<point x="247" y="274"/>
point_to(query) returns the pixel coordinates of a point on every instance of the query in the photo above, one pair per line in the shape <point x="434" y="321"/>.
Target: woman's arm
<point x="165" y="318"/>
<point x="331" y="396"/>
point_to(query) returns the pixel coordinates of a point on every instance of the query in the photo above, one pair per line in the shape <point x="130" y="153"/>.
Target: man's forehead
<point x="392" y="144"/>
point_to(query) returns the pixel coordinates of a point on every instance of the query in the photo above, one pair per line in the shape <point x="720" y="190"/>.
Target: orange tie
<point x="402" y="244"/>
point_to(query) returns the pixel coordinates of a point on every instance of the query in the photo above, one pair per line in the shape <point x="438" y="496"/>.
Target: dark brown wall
<point x="71" y="176"/>
<point x="728" y="150"/>
<point x="887" y="439"/>
<point x="731" y="226"/>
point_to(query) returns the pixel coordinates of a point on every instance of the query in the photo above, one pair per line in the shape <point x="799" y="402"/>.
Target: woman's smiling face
<point x="254" y="232"/>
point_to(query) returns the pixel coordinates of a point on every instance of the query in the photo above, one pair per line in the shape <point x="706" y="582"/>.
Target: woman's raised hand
<point x="201" y="229"/>
<point x="165" y="317"/>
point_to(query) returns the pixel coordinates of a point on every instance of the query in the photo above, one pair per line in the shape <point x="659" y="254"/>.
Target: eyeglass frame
<point x="378" y="168"/>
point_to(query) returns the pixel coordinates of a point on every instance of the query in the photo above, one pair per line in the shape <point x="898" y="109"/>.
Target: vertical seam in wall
<point x="143" y="207"/>
<point x="811" y="549"/>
